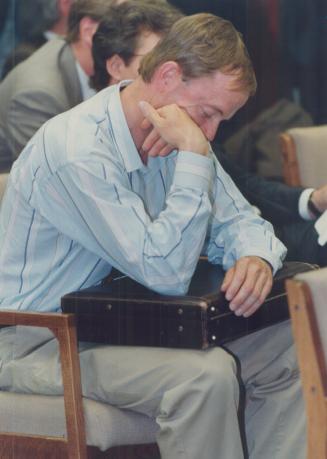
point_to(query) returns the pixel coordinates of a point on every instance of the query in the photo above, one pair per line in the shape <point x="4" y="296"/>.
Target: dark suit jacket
<point x="39" y="88"/>
<point x="277" y="202"/>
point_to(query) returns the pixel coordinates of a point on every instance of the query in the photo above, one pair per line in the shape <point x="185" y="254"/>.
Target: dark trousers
<point x="301" y="240"/>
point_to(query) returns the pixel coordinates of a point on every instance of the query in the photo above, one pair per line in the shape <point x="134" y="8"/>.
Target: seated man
<point x="55" y="78"/>
<point x="292" y="210"/>
<point x="118" y="46"/>
<point x="98" y="187"/>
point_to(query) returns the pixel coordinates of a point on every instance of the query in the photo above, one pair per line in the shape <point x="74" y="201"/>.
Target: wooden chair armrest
<point x="64" y="328"/>
<point x="289" y="160"/>
<point x="36" y="319"/>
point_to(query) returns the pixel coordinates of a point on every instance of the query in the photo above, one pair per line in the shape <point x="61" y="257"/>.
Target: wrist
<point x="200" y="148"/>
<point x="313" y="205"/>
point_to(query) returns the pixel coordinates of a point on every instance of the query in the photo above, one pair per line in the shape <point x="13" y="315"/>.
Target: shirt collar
<point x="123" y="137"/>
<point x="87" y="92"/>
<point x="49" y="35"/>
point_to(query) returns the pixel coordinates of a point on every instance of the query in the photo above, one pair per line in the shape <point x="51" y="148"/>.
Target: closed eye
<point x="204" y="114"/>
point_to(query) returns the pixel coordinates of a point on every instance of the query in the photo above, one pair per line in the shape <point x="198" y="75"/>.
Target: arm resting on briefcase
<point x="121" y="311"/>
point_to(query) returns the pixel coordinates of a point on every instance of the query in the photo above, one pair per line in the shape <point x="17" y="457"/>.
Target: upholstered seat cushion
<point x="106" y="426"/>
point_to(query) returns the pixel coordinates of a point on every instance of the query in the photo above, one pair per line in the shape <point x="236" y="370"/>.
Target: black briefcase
<point x="122" y="312"/>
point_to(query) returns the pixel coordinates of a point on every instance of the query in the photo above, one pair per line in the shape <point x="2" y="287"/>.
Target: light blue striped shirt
<point x="80" y="200"/>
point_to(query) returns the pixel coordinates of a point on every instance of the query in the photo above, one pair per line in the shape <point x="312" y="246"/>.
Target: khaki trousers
<point x="194" y="395"/>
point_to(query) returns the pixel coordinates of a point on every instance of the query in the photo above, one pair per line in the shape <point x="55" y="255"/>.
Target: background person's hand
<point x="172" y="129"/>
<point x="319" y="198"/>
<point x="247" y="284"/>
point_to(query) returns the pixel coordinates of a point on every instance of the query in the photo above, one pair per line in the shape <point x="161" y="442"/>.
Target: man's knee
<point x="205" y="379"/>
<point x="214" y="370"/>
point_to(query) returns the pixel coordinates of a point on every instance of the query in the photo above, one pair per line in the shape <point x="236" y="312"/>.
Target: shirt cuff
<point x="193" y="171"/>
<point x="303" y="204"/>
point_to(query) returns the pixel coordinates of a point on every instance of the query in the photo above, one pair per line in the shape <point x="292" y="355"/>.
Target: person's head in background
<point x="83" y="21"/>
<point x="39" y="20"/>
<point x="129" y="31"/>
<point x="78" y="19"/>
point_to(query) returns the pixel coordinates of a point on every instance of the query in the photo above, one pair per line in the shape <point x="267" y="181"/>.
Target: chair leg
<point x="71" y="376"/>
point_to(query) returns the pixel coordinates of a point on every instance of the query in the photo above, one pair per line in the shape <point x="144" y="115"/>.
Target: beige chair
<point x="307" y="295"/>
<point x="304" y="156"/>
<point x="3" y="183"/>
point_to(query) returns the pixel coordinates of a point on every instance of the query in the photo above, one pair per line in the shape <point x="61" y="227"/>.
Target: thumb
<point x="149" y="112"/>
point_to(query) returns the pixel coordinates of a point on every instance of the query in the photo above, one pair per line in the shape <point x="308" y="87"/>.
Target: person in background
<point x="40" y="20"/>
<point x="36" y="22"/>
<point x="292" y="210"/>
<point x="8" y="33"/>
<point x="50" y="81"/>
<point x="56" y="77"/>
<point x="128" y="180"/>
<point x="124" y="37"/>
<point x="16" y="56"/>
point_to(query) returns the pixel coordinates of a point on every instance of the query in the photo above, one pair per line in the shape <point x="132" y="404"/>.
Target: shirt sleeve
<point x="235" y="230"/>
<point x="303" y="204"/>
<point x="93" y="203"/>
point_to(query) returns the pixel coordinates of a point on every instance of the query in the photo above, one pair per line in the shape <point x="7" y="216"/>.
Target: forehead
<point x="220" y="92"/>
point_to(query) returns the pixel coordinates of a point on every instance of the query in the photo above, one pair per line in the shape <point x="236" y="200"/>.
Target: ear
<point x="87" y="28"/>
<point x="115" y="65"/>
<point x="168" y="76"/>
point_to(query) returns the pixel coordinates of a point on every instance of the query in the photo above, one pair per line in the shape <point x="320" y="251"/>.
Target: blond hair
<point x="202" y="44"/>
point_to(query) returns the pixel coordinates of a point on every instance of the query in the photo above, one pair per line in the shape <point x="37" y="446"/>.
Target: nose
<point x="210" y="128"/>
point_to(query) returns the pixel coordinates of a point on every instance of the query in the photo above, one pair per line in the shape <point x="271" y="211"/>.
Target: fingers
<point x="251" y="296"/>
<point x="236" y="277"/>
<point x="154" y="145"/>
<point x="165" y="150"/>
<point x="247" y="284"/>
<point x="227" y="280"/>
<point x="250" y="309"/>
<point x="150" y="113"/>
<point x="145" y="124"/>
<point x="150" y="140"/>
<point x="174" y="127"/>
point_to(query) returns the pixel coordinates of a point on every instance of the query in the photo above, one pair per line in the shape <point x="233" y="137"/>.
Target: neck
<point x="60" y="27"/>
<point x="83" y="56"/>
<point x="130" y="98"/>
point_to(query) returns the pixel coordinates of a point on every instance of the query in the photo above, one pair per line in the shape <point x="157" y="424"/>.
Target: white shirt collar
<point x="49" y="35"/>
<point x="87" y="92"/>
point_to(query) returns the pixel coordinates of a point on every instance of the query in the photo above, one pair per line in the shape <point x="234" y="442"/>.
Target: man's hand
<point x="172" y="129"/>
<point x="319" y="198"/>
<point x="247" y="284"/>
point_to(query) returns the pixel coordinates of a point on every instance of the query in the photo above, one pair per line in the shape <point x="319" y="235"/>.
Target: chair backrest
<point x="3" y="183"/>
<point x="304" y="156"/>
<point x="307" y="296"/>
